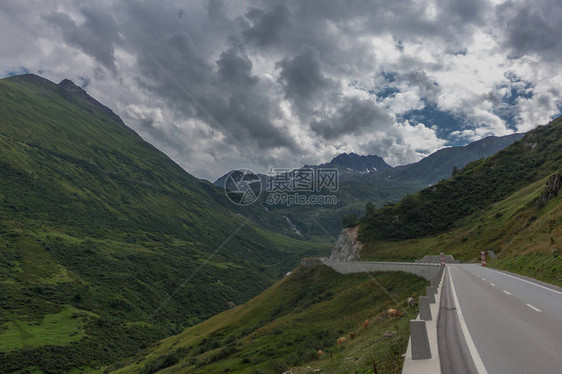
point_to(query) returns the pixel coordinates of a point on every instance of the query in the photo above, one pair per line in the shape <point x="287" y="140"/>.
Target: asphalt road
<point x="515" y="324"/>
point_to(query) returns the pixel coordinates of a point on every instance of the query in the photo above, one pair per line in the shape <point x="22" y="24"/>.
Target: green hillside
<point x="524" y="233"/>
<point x="107" y="245"/>
<point x="286" y="325"/>
<point x="322" y="222"/>
<point x="442" y="207"/>
<point x="386" y="186"/>
<point x="509" y="203"/>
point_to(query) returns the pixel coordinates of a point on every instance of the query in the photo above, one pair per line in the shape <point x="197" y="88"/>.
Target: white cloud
<point x="297" y="82"/>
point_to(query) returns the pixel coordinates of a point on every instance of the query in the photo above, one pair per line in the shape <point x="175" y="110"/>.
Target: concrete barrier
<point x="420" y="340"/>
<point x="427" y="271"/>
<point x="311" y="261"/>
<point x="425" y="311"/>
<point x="430" y="294"/>
<point x="434" y="283"/>
<point x="436" y="259"/>
<point x="422" y="355"/>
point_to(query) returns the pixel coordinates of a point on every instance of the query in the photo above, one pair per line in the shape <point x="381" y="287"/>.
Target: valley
<point x="520" y="224"/>
<point x="280" y="187"/>
<point x="116" y="260"/>
<point x="99" y="232"/>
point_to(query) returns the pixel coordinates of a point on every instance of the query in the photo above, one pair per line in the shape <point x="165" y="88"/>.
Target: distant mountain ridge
<point x="349" y="165"/>
<point x="352" y="163"/>
<point x="439" y="165"/>
<point x="365" y="179"/>
<point x="371" y="169"/>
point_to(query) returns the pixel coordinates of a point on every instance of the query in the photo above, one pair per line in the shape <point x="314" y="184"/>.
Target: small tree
<point x="349" y="219"/>
<point x="370" y="207"/>
<point x="455" y="170"/>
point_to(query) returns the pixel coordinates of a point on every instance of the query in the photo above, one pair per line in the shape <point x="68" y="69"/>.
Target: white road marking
<point x="483" y="279"/>
<point x="507" y="292"/>
<point x="480" y="368"/>
<point x="534" y="308"/>
<point x="491" y="284"/>
<point x="526" y="281"/>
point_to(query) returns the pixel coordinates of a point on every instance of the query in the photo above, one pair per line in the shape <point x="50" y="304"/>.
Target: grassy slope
<point x="284" y="327"/>
<point x="94" y="218"/>
<point x="442" y="207"/>
<point x="489" y="205"/>
<point x="526" y="237"/>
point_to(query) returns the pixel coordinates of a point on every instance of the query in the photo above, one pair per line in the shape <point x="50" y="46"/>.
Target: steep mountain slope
<point x="353" y="165"/>
<point x="365" y="179"/>
<point x="350" y="166"/>
<point x="285" y="326"/>
<point x="518" y="215"/>
<point x="106" y="236"/>
<point x="440" y="164"/>
<point x="477" y="186"/>
<point x="510" y="203"/>
<point x="523" y="231"/>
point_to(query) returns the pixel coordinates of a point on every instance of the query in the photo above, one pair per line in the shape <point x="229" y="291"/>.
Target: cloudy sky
<point x="219" y="85"/>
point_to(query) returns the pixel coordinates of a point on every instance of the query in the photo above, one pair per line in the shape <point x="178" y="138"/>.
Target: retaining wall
<point x="427" y="271"/>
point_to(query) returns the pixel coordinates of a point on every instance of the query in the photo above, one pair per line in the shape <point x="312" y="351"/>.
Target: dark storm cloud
<point x="235" y="67"/>
<point x="403" y="18"/>
<point x="463" y="11"/>
<point x="245" y="108"/>
<point x="96" y="36"/>
<point x="354" y="118"/>
<point x="267" y="27"/>
<point x="227" y="88"/>
<point x="303" y="81"/>
<point x="291" y="77"/>
<point x="177" y="47"/>
<point x="532" y="27"/>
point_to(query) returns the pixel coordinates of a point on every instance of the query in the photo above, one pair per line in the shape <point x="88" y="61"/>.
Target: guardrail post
<point x="434" y="282"/>
<point x="430" y="294"/>
<point x="425" y="312"/>
<point x="420" y="340"/>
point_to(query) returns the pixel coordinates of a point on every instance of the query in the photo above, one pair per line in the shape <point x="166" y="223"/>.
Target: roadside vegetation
<point x="96" y="221"/>
<point x="285" y="326"/>
<point x="442" y="207"/>
<point x="506" y="203"/>
<point x="525" y="236"/>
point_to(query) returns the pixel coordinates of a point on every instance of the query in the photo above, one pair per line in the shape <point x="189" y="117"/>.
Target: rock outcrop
<point x="347" y="247"/>
<point x="553" y="187"/>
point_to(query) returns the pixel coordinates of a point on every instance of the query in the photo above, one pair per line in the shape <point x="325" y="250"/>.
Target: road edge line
<point x="476" y="359"/>
<point x="525" y="280"/>
<point x="534" y="308"/>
